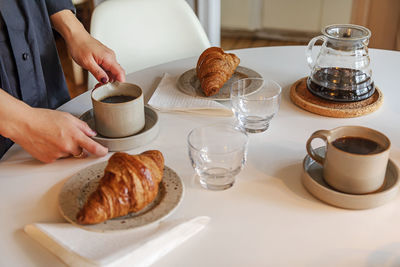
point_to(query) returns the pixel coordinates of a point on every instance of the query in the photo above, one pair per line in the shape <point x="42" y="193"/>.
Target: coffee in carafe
<point x="341" y="70"/>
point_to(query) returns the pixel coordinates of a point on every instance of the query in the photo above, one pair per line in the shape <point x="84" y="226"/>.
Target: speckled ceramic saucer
<point x="189" y="84"/>
<point x="77" y="189"/>
<point x="146" y="135"/>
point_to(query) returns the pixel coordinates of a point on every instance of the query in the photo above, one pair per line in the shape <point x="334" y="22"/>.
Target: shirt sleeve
<point x="54" y="6"/>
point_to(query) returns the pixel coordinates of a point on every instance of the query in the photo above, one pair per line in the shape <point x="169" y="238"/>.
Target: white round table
<point x="267" y="218"/>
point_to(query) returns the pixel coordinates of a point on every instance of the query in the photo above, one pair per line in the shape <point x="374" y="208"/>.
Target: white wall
<point x="301" y="15"/>
<point x="96" y="2"/>
<point x="236" y="14"/>
<point x="336" y="11"/>
<point x="297" y="15"/>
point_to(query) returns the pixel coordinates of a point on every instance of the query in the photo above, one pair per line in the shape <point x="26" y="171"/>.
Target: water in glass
<point x="217" y="153"/>
<point x="255" y="109"/>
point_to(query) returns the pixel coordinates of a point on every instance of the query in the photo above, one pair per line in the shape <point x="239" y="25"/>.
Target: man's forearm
<point x="12" y="115"/>
<point x="66" y="23"/>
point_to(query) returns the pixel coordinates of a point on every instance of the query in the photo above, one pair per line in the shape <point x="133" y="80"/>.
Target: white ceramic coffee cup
<point x="118" y="119"/>
<point x="351" y="172"/>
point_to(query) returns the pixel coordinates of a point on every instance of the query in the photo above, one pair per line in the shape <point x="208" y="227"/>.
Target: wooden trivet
<point x="302" y="97"/>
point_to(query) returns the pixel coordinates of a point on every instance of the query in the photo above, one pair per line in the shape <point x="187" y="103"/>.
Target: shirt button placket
<point x="25" y="56"/>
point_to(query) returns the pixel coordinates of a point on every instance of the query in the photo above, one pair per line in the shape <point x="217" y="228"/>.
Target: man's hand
<point x="87" y="51"/>
<point x="51" y="135"/>
<point x="45" y="134"/>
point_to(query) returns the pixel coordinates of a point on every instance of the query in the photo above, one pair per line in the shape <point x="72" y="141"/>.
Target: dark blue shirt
<point x="30" y="68"/>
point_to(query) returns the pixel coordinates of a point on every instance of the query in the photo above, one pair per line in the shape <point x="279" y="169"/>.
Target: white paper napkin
<point x="168" y="98"/>
<point x="136" y="247"/>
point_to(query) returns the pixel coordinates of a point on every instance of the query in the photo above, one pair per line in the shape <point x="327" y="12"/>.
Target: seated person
<point x="32" y="83"/>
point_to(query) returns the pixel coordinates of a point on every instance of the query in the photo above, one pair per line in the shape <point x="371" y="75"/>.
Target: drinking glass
<point x="255" y="102"/>
<point x="217" y="153"/>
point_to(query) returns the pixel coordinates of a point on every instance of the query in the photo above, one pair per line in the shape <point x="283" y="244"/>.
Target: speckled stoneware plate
<point x="313" y="181"/>
<point x="189" y="84"/>
<point x="77" y="189"/>
<point x="145" y="136"/>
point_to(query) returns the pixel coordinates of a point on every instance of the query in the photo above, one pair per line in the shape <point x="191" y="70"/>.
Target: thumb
<point x="97" y="71"/>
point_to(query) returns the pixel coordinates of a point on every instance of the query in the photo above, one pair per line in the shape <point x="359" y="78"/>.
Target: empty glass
<point x="217" y="153"/>
<point x="255" y="102"/>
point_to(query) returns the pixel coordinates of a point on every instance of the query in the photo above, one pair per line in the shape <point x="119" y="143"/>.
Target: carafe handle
<point x="310" y="46"/>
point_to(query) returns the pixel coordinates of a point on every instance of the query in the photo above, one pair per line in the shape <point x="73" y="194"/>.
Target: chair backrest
<point x="145" y="33"/>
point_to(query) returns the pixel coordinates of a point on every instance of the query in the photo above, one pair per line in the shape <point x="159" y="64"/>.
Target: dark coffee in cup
<point x="358" y="145"/>
<point x="117" y="99"/>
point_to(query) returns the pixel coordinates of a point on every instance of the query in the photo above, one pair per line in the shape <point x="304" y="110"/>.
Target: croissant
<point x="214" y="68"/>
<point x="129" y="184"/>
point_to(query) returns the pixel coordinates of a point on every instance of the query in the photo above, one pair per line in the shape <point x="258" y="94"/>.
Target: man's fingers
<point x="93" y="147"/>
<point x="109" y="64"/>
<point x="84" y="127"/>
<point x="97" y="85"/>
<point x="85" y="142"/>
<point x="97" y="71"/>
<point x="78" y="152"/>
<point x="111" y="77"/>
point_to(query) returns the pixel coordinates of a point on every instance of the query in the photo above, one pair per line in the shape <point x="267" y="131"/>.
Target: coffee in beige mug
<point x="355" y="159"/>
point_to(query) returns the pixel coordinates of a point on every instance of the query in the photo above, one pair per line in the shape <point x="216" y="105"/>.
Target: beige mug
<point x="118" y="109"/>
<point x="355" y="159"/>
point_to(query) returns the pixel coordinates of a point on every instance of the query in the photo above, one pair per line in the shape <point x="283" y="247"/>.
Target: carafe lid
<point x="347" y="32"/>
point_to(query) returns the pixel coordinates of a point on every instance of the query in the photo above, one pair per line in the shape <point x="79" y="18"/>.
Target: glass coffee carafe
<point x="341" y="70"/>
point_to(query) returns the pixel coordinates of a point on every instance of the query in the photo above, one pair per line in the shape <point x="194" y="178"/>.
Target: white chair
<point x="145" y="33"/>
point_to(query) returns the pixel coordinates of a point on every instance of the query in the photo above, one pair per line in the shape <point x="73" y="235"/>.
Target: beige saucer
<point x="313" y="181"/>
<point x="189" y="84"/>
<point x="145" y="136"/>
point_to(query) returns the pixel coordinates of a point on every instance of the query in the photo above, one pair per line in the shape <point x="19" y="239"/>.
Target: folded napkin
<point x="136" y="247"/>
<point x="167" y="97"/>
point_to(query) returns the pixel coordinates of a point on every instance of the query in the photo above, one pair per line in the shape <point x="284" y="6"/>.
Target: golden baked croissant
<point x="129" y="184"/>
<point x="214" y="68"/>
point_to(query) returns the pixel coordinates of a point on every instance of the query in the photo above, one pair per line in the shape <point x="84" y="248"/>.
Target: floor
<point x="227" y="43"/>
